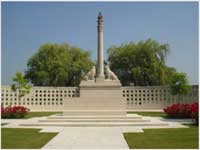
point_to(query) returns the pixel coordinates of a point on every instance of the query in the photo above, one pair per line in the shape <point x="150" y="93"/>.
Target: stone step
<point x="96" y="124"/>
<point x="94" y="120"/>
<point x="95" y="117"/>
<point x="87" y="111"/>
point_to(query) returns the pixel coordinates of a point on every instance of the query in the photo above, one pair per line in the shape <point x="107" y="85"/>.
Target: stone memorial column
<point x="100" y="62"/>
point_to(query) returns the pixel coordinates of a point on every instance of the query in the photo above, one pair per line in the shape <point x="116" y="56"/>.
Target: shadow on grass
<point x="3" y="124"/>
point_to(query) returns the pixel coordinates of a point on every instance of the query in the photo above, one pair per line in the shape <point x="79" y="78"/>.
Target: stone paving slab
<point x="172" y="123"/>
<point x="120" y="129"/>
<point x="89" y="138"/>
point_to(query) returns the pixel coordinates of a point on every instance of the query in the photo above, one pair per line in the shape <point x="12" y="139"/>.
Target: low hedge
<point x="183" y="111"/>
<point x="14" y="112"/>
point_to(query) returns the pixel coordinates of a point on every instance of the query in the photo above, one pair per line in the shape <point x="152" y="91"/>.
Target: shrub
<point x="178" y="111"/>
<point x="183" y="111"/>
<point x="13" y="112"/>
<point x="195" y="112"/>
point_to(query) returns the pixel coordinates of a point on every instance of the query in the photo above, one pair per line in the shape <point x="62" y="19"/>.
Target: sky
<point x="28" y="25"/>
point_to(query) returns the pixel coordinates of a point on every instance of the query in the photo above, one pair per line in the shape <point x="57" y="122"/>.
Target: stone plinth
<point x="100" y="88"/>
<point x="97" y="98"/>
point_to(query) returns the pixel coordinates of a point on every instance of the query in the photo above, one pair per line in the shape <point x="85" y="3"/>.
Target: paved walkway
<point x="90" y="137"/>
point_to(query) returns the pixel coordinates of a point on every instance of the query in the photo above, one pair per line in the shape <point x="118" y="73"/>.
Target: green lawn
<point x="19" y="138"/>
<point x="37" y="114"/>
<point x="151" y="114"/>
<point x="40" y="114"/>
<point x="179" y="138"/>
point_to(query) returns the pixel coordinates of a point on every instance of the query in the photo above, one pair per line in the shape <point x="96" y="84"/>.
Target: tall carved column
<point x="98" y="96"/>
<point x="100" y="63"/>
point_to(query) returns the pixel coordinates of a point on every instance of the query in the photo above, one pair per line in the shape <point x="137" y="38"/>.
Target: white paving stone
<point x="91" y="137"/>
<point x="52" y="129"/>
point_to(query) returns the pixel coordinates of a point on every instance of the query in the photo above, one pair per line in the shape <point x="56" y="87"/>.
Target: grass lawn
<point x="179" y="138"/>
<point x="40" y="114"/>
<point x="19" y="138"/>
<point x="37" y="114"/>
<point x="151" y="114"/>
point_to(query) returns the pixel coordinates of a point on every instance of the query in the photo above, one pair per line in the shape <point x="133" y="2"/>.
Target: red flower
<point x="182" y="111"/>
<point x="13" y="112"/>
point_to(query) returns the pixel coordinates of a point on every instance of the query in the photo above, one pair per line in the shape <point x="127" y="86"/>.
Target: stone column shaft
<point x="100" y="62"/>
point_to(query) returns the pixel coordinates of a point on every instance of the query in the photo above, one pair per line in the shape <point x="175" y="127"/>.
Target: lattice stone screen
<point x="40" y="98"/>
<point x="154" y="97"/>
<point x="52" y="98"/>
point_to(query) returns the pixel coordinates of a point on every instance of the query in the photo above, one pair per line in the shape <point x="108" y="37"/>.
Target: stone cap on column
<point x="100" y="22"/>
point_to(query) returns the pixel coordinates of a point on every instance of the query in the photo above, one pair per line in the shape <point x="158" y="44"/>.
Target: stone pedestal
<point x="99" y="88"/>
<point x="97" y="98"/>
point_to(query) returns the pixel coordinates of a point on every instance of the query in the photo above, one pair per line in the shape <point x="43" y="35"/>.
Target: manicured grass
<point x="179" y="138"/>
<point x="19" y="138"/>
<point x="40" y="114"/>
<point x="151" y="114"/>
<point x="37" y="114"/>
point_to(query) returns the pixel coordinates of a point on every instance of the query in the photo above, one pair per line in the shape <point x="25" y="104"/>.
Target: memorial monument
<point x="100" y="102"/>
<point x="100" y="89"/>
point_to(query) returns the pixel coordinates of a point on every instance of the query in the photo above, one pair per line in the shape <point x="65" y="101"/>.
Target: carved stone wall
<point x="137" y="98"/>
<point x="154" y="97"/>
<point x="40" y="98"/>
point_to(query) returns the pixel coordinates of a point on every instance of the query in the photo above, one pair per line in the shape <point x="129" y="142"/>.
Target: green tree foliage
<point x="179" y="84"/>
<point x="58" y="65"/>
<point x="21" y="84"/>
<point x="141" y="63"/>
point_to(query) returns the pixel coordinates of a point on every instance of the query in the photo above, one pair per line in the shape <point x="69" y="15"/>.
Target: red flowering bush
<point x="178" y="111"/>
<point x="195" y="112"/>
<point x="13" y="112"/>
<point x="183" y="111"/>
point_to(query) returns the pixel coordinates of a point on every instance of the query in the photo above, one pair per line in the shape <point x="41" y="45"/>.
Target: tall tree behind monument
<point x="58" y="65"/>
<point x="141" y="63"/>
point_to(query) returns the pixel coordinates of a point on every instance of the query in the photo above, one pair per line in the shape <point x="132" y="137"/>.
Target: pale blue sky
<point x="28" y="25"/>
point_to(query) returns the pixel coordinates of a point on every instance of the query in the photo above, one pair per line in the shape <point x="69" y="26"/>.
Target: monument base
<point x="97" y="98"/>
<point x="94" y="113"/>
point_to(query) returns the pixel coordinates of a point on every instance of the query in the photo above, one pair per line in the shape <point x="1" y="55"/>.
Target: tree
<point x="141" y="63"/>
<point x="179" y="85"/>
<point x="58" y="65"/>
<point x="20" y="84"/>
